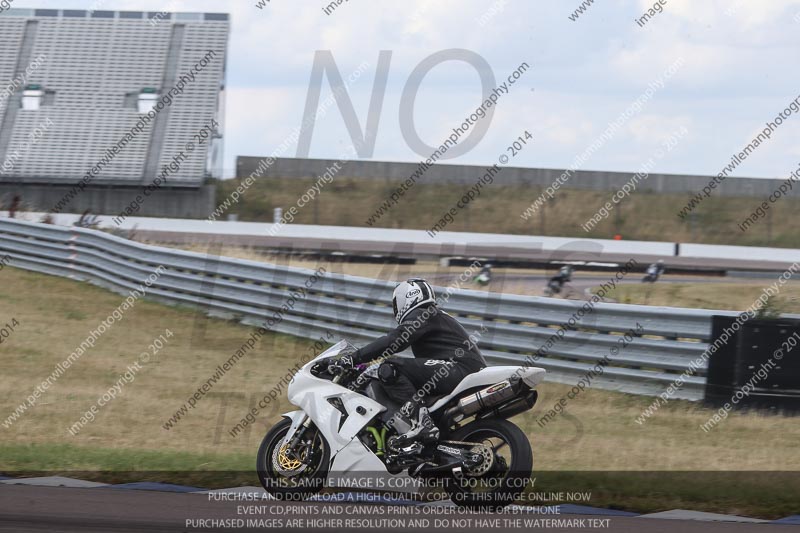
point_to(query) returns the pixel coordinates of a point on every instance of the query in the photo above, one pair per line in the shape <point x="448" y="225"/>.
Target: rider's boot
<point x="422" y="429"/>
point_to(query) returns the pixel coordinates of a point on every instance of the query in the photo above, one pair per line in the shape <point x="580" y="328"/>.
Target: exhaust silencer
<point x="486" y="398"/>
<point x="512" y="407"/>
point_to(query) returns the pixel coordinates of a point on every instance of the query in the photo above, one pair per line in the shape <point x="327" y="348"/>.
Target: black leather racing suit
<point x="443" y="356"/>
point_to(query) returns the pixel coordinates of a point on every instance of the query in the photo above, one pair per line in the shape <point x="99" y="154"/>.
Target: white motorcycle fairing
<point x="314" y="396"/>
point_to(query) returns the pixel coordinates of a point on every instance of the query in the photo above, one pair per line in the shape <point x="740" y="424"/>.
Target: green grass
<point x="120" y="465"/>
<point x="764" y="495"/>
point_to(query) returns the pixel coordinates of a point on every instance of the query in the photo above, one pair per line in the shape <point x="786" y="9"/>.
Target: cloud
<point x="736" y="75"/>
<point x="652" y="129"/>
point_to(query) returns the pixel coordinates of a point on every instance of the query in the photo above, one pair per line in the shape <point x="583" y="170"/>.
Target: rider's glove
<point x="323" y="366"/>
<point x="340" y="364"/>
<point x="319" y="368"/>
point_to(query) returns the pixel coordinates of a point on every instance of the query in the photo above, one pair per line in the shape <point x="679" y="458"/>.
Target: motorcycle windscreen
<point x="333" y="351"/>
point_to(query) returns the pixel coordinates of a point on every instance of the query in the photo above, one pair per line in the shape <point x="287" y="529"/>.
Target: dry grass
<point x="737" y="296"/>
<point x="55" y="315"/>
<point x="600" y="433"/>
<point x="642" y="216"/>
<point x="578" y="451"/>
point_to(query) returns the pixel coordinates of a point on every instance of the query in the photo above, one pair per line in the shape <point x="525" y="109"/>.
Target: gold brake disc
<point x="285" y="463"/>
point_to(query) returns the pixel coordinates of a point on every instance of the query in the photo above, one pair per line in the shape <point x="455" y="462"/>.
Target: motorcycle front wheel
<point x="511" y="467"/>
<point x="291" y="477"/>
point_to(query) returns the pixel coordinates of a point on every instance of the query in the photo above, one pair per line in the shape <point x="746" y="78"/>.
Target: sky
<point x="736" y="70"/>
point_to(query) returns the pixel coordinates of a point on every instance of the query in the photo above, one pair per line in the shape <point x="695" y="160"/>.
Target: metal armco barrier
<point x="359" y="309"/>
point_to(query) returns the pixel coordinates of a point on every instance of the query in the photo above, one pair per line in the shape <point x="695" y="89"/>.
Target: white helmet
<point x="410" y="295"/>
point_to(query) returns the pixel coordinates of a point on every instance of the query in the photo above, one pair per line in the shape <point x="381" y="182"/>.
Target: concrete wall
<point x="592" y="180"/>
<point x="179" y="202"/>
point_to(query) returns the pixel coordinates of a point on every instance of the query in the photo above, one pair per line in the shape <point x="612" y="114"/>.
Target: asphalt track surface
<point x="432" y="250"/>
<point x="38" y="509"/>
<point x="592" y="280"/>
<point x="534" y="284"/>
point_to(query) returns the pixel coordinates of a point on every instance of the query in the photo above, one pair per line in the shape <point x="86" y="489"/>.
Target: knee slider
<point x="387" y="373"/>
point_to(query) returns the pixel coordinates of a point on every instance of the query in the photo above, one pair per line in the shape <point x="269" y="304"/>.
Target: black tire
<point x="307" y="484"/>
<point x="505" y="482"/>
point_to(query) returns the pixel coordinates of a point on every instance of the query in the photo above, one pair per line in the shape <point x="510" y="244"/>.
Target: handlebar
<point x="335" y="370"/>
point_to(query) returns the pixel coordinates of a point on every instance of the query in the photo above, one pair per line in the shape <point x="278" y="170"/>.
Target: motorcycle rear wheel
<point x="510" y="473"/>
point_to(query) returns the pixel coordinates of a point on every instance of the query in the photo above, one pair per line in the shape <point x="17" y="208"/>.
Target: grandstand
<point x="122" y="93"/>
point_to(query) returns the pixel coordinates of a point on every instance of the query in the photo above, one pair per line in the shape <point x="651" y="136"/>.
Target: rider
<point x="485" y="275"/>
<point x="443" y="356"/>
<point x="565" y="274"/>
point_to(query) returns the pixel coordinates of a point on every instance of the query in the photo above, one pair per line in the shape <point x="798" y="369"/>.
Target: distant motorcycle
<point x="343" y="426"/>
<point x="556" y="283"/>
<point x="485" y="276"/>
<point x="88" y="220"/>
<point x="653" y="272"/>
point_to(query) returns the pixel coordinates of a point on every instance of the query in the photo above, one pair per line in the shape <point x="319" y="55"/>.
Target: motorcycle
<point x="554" y="287"/>
<point x="653" y="272"/>
<point x="557" y="282"/>
<point x="484" y="277"/>
<point x="345" y="426"/>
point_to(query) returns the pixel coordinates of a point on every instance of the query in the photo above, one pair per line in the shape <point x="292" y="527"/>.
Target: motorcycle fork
<point x="301" y="430"/>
